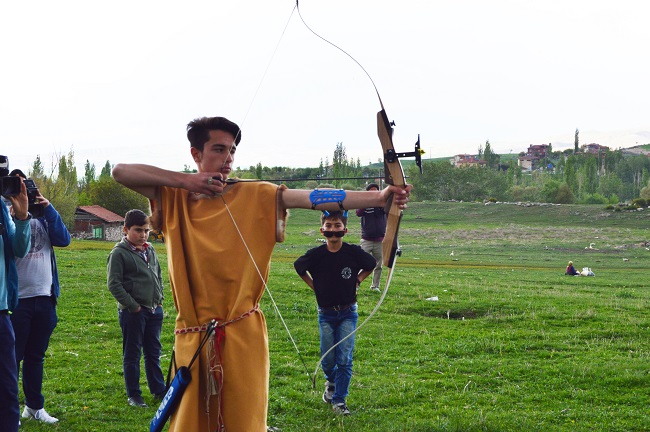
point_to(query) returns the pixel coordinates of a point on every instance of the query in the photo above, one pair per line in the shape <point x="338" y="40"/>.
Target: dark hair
<point x="135" y="217"/>
<point x="372" y="185"/>
<point x="198" y="130"/>
<point x="19" y="172"/>
<point x="334" y="215"/>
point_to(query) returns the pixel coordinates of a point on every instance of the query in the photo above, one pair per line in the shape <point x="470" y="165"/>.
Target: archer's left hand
<point x="400" y="195"/>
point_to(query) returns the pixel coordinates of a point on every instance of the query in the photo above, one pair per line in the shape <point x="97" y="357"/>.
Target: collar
<point x="134" y="247"/>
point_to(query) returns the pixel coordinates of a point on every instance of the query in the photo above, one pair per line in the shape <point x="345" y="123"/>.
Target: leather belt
<point x="338" y="308"/>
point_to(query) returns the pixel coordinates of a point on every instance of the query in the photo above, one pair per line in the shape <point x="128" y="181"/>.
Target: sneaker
<point x="341" y="408"/>
<point x="375" y="288"/>
<point x="328" y="393"/>
<point x="40" y="415"/>
<point x="137" y="401"/>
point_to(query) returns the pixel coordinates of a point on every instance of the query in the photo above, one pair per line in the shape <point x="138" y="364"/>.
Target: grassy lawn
<point x="510" y="344"/>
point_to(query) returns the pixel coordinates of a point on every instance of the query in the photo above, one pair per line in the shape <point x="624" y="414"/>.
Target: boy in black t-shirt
<point x="334" y="271"/>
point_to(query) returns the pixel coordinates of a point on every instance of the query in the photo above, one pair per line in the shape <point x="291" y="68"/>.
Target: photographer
<point x="35" y="317"/>
<point x="14" y="242"/>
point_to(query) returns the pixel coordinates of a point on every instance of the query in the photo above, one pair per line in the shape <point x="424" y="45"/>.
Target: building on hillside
<point x="96" y="222"/>
<point x="595" y="148"/>
<point x="528" y="163"/>
<point x="466" y="160"/>
<point x="533" y="157"/>
<point x="540" y="151"/>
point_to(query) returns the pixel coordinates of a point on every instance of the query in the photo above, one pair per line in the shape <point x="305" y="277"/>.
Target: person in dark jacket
<point x="570" y="270"/>
<point x="373" y="229"/>
<point x="135" y="280"/>
<point x="35" y="317"/>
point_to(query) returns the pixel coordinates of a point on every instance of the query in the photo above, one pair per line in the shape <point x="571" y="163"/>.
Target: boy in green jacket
<point x="135" y="280"/>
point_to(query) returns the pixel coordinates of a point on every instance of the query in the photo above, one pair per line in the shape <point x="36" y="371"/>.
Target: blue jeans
<point x="8" y="377"/>
<point x="141" y="333"/>
<point x="337" y="365"/>
<point x="34" y="321"/>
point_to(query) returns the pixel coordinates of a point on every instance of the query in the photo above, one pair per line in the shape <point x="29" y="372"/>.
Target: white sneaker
<point x="40" y="415"/>
<point x="341" y="408"/>
<point x="329" y="392"/>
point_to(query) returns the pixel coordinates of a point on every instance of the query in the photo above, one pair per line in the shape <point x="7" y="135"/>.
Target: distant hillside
<point x="642" y="149"/>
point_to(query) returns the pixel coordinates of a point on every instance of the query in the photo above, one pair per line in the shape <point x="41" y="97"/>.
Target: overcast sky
<point x="120" y="80"/>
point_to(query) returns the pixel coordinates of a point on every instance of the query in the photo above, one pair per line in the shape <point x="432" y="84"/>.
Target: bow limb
<point x="394" y="175"/>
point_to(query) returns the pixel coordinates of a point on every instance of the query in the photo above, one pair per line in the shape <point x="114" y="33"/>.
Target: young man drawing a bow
<point x="209" y="224"/>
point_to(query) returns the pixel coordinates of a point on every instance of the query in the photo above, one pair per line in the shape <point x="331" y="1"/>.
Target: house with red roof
<point x="96" y="222"/>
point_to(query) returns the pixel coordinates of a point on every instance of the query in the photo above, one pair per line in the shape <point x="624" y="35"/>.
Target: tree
<point x="610" y="185"/>
<point x="490" y="158"/>
<point x="109" y="194"/>
<point x="60" y="190"/>
<point x="89" y="175"/>
<point x="577" y="141"/>
<point x="550" y="191"/>
<point x="590" y="170"/>
<point x="564" y="195"/>
<point x="37" y="171"/>
<point x="106" y="171"/>
<point x="570" y="177"/>
<point x="339" y="161"/>
<point x="645" y="192"/>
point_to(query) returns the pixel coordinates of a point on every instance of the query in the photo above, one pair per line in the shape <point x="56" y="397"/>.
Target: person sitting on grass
<point x="334" y="272"/>
<point x="570" y="270"/>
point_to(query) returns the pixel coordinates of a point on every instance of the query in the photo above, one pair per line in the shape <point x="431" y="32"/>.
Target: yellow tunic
<point x="213" y="277"/>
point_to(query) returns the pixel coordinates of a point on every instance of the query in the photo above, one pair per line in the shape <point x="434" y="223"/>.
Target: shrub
<point x="640" y="202"/>
<point x="595" y="199"/>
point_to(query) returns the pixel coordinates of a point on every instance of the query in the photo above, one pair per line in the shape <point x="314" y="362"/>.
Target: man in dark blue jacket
<point x="373" y="229"/>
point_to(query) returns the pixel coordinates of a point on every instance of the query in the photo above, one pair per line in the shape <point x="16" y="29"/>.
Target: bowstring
<point x="241" y="236"/>
<point x="266" y="287"/>
<point x="266" y="70"/>
<point x="297" y="7"/>
<point x="391" y="267"/>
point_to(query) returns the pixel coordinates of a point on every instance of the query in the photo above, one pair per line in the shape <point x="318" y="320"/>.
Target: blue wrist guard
<point x="322" y="196"/>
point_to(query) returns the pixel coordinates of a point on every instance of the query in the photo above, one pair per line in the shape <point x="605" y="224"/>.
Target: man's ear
<point x="197" y="155"/>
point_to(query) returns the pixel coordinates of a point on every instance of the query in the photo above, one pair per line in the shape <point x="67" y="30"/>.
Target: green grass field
<point x="511" y="344"/>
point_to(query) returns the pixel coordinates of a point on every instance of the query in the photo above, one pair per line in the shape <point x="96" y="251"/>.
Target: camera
<point x="9" y="185"/>
<point x="37" y="210"/>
